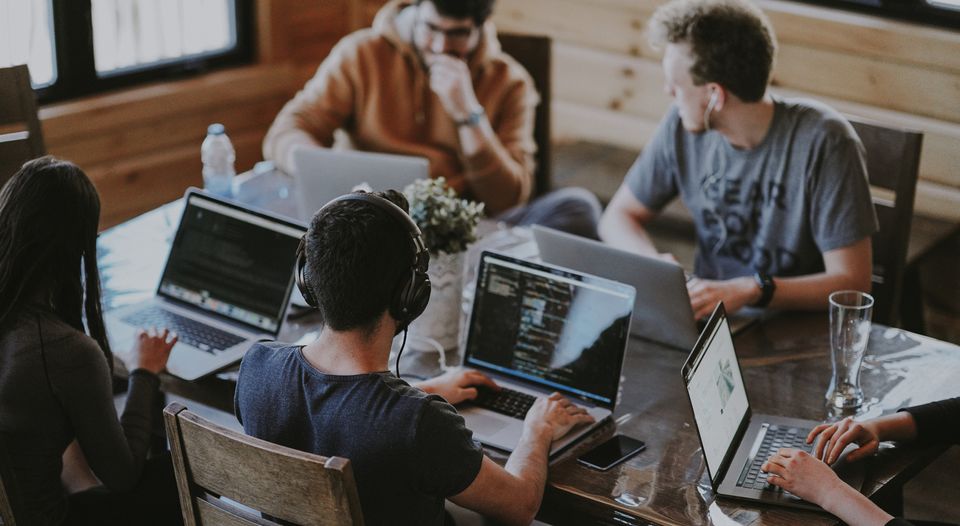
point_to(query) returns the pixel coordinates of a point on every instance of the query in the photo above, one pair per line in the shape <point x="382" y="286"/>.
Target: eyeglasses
<point x="455" y="34"/>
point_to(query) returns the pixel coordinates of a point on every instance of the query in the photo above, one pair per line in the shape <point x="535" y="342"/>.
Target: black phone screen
<point x="612" y="452"/>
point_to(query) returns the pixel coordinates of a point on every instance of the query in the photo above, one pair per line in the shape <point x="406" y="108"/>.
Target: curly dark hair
<point x="356" y="256"/>
<point x="478" y="10"/>
<point x="733" y="42"/>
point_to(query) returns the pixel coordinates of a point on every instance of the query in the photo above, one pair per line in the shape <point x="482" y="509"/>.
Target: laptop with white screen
<point x="538" y="329"/>
<point x="324" y="174"/>
<point x="736" y="442"/>
<point x="226" y="284"/>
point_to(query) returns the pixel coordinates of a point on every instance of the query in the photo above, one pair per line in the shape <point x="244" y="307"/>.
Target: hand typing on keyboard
<point x="151" y="349"/>
<point x="803" y="475"/>
<point x="553" y="416"/>
<point x="457" y="385"/>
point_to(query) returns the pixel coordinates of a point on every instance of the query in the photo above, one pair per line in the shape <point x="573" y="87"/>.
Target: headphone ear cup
<point x="411" y="299"/>
<point x="301" y="277"/>
<point x="420" y="295"/>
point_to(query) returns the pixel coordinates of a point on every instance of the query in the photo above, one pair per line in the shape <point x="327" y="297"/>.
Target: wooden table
<point x="785" y="362"/>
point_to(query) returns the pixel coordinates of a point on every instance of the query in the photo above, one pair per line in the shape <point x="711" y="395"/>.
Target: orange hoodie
<point x="374" y="87"/>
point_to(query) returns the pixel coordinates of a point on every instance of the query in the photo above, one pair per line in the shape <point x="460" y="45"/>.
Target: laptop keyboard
<point x="189" y="331"/>
<point x="775" y="438"/>
<point x="505" y="401"/>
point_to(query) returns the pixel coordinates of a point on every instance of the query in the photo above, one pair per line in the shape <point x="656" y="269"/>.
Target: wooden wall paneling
<point x="612" y="26"/>
<point x="938" y="200"/>
<point x="272" y="45"/>
<point x="182" y="128"/>
<point x="133" y="186"/>
<point x="151" y="103"/>
<point x="572" y="121"/>
<point x="617" y="82"/>
<point x="878" y="82"/>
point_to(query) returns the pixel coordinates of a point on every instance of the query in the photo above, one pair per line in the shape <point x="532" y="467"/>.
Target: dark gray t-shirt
<point x="409" y="450"/>
<point x="774" y="208"/>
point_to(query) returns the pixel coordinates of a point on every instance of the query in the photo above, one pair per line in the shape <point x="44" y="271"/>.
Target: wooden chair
<point x="535" y="53"/>
<point x="20" y="135"/>
<point x="283" y="484"/>
<point x="893" y="163"/>
<point x="10" y="500"/>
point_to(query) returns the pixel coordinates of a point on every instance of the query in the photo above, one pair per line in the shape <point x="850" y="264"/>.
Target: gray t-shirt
<point x="774" y="208"/>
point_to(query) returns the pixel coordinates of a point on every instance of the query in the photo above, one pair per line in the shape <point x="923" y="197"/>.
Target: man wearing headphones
<point x="777" y="187"/>
<point x="363" y="265"/>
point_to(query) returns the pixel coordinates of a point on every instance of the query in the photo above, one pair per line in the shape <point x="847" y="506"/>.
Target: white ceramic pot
<point x="440" y="322"/>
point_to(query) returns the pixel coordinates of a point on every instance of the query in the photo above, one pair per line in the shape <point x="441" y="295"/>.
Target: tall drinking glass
<point x="850" y="313"/>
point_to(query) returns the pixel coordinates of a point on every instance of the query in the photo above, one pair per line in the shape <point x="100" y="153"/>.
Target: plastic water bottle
<point x="217" y="155"/>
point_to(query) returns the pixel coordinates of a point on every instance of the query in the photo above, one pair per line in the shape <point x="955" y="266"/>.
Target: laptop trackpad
<point x="485" y="424"/>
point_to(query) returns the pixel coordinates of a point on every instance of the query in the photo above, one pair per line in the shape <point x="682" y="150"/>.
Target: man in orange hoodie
<point x="429" y="79"/>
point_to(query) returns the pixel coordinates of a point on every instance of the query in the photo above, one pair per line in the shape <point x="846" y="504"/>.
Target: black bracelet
<point x="767" y="288"/>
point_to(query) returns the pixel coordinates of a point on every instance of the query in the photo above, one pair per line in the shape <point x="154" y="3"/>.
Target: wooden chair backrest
<point x="20" y="135"/>
<point x="535" y="54"/>
<point x="282" y="484"/>
<point x="893" y="165"/>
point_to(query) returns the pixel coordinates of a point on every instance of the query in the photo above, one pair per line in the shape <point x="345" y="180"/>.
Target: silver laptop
<point x="323" y="174"/>
<point x="226" y="284"/>
<point x="736" y="442"/>
<point x="538" y="329"/>
<point x="662" y="312"/>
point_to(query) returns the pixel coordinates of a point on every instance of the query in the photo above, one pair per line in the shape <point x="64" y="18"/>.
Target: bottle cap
<point x="216" y="129"/>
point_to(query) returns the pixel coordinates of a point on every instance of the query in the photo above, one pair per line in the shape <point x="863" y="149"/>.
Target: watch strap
<point x="472" y="119"/>
<point x="767" y="288"/>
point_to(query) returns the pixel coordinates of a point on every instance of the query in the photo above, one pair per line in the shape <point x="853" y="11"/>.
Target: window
<point x="76" y="47"/>
<point x="943" y="13"/>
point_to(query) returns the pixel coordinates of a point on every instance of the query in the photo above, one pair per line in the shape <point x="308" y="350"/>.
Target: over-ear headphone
<point x="412" y="293"/>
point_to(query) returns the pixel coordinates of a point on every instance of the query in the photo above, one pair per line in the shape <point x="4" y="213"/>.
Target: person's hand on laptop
<point x="803" y="475"/>
<point x="814" y="481"/>
<point x="553" y="416"/>
<point x="151" y="349"/>
<point x="832" y="439"/>
<point x="734" y="293"/>
<point x="457" y="385"/>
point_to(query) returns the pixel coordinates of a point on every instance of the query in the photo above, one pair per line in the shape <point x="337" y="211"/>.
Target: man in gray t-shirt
<point x="777" y="188"/>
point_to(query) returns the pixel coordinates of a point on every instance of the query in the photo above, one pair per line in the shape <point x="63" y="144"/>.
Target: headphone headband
<point x="413" y="293"/>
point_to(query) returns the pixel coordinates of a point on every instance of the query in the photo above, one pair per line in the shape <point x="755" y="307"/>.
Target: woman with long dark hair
<point x="57" y="417"/>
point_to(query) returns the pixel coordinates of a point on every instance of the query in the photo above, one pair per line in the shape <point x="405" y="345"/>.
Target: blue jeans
<point x="572" y="210"/>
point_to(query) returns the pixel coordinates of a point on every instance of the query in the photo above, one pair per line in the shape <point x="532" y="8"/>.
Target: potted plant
<point x="448" y="225"/>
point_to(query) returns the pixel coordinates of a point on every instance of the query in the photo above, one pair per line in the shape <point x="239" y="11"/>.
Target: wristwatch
<point x="472" y="119"/>
<point x="767" y="288"/>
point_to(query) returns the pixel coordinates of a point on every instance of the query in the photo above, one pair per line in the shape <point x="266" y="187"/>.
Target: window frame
<point x="916" y="11"/>
<point x="75" y="68"/>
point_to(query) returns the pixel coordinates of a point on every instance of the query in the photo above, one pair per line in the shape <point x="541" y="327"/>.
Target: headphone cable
<point x="400" y="353"/>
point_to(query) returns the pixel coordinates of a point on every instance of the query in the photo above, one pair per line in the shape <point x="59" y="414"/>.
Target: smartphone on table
<point x="612" y="452"/>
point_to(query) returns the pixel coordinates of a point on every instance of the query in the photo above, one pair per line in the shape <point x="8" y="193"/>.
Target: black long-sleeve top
<point x="58" y="391"/>
<point x="937" y="423"/>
